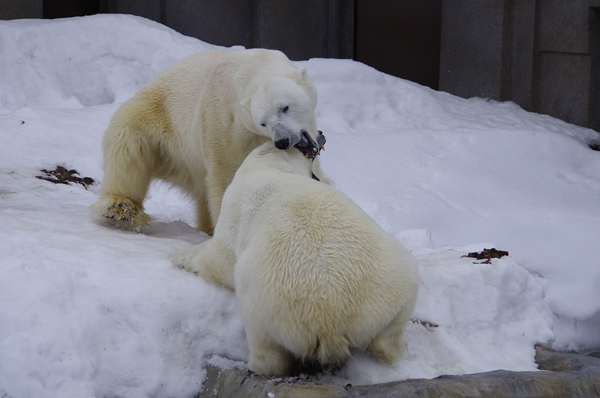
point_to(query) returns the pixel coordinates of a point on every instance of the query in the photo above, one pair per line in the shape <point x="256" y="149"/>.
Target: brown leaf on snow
<point x="487" y="255"/>
<point x="61" y="175"/>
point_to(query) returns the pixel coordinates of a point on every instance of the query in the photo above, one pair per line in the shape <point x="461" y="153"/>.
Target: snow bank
<point x="86" y="61"/>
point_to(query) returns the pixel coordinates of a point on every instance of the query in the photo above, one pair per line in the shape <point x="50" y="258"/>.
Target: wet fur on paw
<point x="121" y="212"/>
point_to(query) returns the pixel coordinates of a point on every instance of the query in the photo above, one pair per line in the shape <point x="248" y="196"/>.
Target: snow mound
<point x="84" y="61"/>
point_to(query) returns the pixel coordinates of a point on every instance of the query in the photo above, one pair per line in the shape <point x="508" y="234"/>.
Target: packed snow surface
<point x="89" y="311"/>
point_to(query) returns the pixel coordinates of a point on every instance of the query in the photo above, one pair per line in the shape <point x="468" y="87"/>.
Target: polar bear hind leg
<point x="389" y="346"/>
<point x="211" y="260"/>
<point x="267" y="358"/>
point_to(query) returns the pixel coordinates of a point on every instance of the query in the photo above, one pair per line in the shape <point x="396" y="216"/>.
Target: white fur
<point x="314" y="275"/>
<point x="194" y="124"/>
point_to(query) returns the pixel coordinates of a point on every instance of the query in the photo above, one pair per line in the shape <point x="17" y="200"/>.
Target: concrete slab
<point x="561" y="375"/>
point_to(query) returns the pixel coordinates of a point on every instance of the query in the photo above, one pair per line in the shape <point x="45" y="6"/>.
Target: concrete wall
<point x="151" y="9"/>
<point x="564" y="69"/>
<point x="222" y="22"/>
<point x="19" y="9"/>
<point x="300" y="28"/>
<point x="542" y="55"/>
<point x="471" y="47"/>
<point x="594" y="49"/>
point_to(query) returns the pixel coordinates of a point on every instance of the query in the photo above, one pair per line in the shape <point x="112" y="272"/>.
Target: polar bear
<point x="194" y="124"/>
<point x="314" y="275"/>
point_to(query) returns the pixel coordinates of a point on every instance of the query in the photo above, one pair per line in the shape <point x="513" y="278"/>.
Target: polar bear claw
<point x="121" y="212"/>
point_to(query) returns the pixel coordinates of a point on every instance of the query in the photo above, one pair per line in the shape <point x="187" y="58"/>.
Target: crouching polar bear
<point x="194" y="124"/>
<point x="314" y="275"/>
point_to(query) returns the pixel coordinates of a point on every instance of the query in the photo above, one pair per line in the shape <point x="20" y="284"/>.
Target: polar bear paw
<point x="271" y="360"/>
<point x="121" y="212"/>
<point x="178" y="259"/>
<point x="388" y="349"/>
<point x="183" y="259"/>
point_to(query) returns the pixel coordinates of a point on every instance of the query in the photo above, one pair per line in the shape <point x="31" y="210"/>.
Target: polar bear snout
<point x="304" y="141"/>
<point x="284" y="137"/>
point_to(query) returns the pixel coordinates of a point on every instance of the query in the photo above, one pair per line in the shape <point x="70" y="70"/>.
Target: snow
<point x="89" y="311"/>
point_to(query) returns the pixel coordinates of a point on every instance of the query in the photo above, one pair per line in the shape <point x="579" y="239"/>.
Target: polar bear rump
<point x="315" y="276"/>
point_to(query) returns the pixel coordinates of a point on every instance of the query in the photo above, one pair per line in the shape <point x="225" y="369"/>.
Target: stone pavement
<point x="561" y="375"/>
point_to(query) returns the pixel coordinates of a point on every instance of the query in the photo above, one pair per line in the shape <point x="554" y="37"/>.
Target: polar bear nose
<point x="283" y="143"/>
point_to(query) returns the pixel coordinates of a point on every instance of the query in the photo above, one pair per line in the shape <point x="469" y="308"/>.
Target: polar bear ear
<point x="246" y="104"/>
<point x="301" y="75"/>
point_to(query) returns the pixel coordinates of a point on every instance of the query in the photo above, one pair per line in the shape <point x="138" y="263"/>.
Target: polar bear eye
<point x="285" y="109"/>
<point x="264" y="124"/>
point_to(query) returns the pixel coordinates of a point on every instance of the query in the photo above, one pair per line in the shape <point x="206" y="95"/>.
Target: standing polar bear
<point x="314" y="275"/>
<point x="194" y="124"/>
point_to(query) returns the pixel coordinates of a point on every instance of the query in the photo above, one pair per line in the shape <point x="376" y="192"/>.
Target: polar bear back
<point x="211" y="82"/>
<point x="190" y="111"/>
<point x="315" y="267"/>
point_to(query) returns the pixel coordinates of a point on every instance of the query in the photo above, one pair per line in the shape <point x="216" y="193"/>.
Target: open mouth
<point x="309" y="148"/>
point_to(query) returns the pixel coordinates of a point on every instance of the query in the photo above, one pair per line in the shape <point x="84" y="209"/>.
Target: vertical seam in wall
<point x="594" y="52"/>
<point x="163" y="11"/>
<point x="334" y="30"/>
<point x="328" y="29"/>
<point x="355" y="30"/>
<point x="535" y="70"/>
<point x="347" y="50"/>
<point x="255" y="23"/>
<point x="506" y="83"/>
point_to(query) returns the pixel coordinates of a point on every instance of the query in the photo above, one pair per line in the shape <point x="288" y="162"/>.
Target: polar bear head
<point x="283" y="108"/>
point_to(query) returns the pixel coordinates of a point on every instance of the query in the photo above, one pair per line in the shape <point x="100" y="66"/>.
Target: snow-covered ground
<point x="88" y="311"/>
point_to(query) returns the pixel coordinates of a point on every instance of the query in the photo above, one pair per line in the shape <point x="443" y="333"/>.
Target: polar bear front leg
<point x="128" y="163"/>
<point x="216" y="190"/>
<point x="120" y="211"/>
<point x="211" y="260"/>
<point x="203" y="219"/>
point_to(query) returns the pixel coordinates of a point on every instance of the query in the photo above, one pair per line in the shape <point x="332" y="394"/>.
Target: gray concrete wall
<point x="302" y="29"/>
<point x="471" y="47"/>
<point x="297" y="27"/>
<point x="222" y="22"/>
<point x="19" y="9"/>
<point x="518" y="52"/>
<point x="151" y="9"/>
<point x="542" y="55"/>
<point x="594" y="108"/>
<point x="488" y="49"/>
<point x="563" y="70"/>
